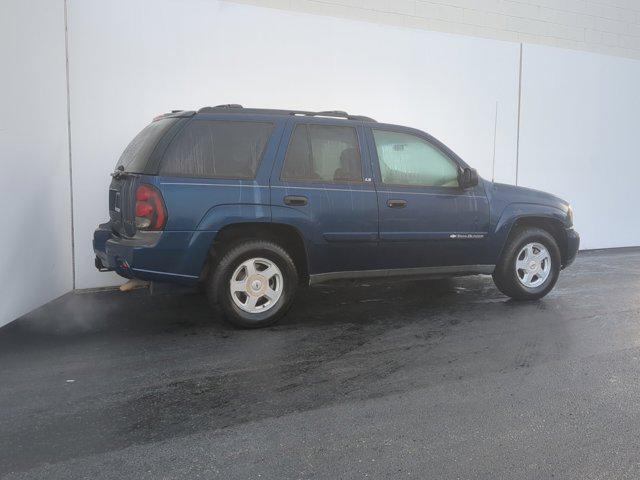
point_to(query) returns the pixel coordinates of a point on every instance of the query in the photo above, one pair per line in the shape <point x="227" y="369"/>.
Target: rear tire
<point x="253" y="284"/>
<point x="529" y="266"/>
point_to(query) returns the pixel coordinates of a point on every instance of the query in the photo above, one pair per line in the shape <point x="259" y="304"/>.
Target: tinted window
<point x="218" y="149"/>
<point x="410" y="160"/>
<point x="323" y="153"/>
<point x="135" y="156"/>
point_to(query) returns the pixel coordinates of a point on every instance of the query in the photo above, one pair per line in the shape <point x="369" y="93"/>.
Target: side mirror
<point x="468" y="178"/>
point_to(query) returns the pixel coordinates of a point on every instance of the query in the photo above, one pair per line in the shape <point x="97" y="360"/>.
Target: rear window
<point x="217" y="149"/>
<point x="135" y="156"/>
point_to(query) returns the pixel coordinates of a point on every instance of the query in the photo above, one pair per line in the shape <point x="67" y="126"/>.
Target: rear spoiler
<point x="175" y="114"/>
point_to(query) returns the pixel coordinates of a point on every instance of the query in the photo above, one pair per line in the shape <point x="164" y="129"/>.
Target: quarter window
<point x="323" y="153"/>
<point x="217" y="149"/>
<point x="409" y="160"/>
<point x="135" y="156"/>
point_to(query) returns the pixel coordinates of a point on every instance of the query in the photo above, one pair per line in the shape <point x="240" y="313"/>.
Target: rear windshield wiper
<point x="119" y="172"/>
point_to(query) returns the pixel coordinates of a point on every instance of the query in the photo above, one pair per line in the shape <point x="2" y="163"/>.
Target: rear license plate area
<point x="114" y="201"/>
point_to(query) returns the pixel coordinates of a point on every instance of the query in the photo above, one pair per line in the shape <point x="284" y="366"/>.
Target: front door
<point x="321" y="184"/>
<point x="426" y="219"/>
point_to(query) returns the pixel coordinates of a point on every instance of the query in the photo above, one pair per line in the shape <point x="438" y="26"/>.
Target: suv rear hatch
<point x="137" y="159"/>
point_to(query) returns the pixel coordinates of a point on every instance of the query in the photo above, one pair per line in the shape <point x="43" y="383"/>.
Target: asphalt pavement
<point x="414" y="379"/>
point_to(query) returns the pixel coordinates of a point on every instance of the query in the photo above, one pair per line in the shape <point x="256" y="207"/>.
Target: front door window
<point x="409" y="160"/>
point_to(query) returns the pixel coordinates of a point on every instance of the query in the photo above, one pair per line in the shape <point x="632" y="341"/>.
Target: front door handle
<point x="294" y="200"/>
<point x="397" y="203"/>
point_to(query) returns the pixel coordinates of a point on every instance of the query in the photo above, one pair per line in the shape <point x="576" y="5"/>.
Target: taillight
<point x="150" y="211"/>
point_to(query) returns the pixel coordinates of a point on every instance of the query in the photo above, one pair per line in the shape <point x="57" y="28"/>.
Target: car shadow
<point x="172" y="310"/>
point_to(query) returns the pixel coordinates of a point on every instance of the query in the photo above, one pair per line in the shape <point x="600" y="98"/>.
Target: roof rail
<point x="235" y="108"/>
<point x="339" y="114"/>
<point x="228" y="105"/>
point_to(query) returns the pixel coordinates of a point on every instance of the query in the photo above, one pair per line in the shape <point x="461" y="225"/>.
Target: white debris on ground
<point x="134" y="284"/>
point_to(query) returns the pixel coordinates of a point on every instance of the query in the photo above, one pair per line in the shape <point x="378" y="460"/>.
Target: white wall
<point x="603" y="26"/>
<point x="129" y="62"/>
<point x="580" y="139"/>
<point x="35" y="244"/>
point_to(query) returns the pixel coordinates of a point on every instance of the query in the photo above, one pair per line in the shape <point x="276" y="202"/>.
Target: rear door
<point x="321" y="184"/>
<point x="426" y="219"/>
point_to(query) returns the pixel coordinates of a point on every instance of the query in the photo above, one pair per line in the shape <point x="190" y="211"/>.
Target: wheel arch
<point x="552" y="225"/>
<point x="287" y="236"/>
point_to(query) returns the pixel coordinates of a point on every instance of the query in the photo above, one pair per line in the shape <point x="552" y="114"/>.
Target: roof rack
<point x="235" y="108"/>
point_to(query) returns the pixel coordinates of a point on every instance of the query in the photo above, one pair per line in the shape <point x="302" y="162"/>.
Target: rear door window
<point x="135" y="156"/>
<point x="324" y="154"/>
<point x="217" y="149"/>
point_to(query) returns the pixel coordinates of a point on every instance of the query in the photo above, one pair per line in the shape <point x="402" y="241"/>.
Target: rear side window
<point x="217" y="149"/>
<point x="323" y="153"/>
<point x="135" y="156"/>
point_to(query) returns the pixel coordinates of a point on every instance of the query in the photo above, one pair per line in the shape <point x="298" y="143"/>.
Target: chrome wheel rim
<point x="256" y="285"/>
<point x="533" y="265"/>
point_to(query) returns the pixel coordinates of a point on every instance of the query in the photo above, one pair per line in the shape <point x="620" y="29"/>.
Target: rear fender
<point x="215" y="220"/>
<point x="220" y="216"/>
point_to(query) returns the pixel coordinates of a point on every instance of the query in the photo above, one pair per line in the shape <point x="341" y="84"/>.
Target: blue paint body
<point x="344" y="227"/>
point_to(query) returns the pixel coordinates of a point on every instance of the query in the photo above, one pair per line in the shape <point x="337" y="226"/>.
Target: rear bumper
<point x="573" y="244"/>
<point x="157" y="256"/>
<point x="119" y="254"/>
<point x="100" y="237"/>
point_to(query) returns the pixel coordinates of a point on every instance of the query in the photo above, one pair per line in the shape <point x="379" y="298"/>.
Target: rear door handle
<point x="397" y="203"/>
<point x="295" y="200"/>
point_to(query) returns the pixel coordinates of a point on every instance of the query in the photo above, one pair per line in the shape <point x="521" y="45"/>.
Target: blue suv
<point x="254" y="203"/>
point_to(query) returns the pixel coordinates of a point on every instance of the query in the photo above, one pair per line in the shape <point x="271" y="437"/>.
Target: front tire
<point x="529" y="266"/>
<point x="254" y="284"/>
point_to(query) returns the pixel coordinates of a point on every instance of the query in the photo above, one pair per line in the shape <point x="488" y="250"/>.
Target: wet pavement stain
<point x="156" y="368"/>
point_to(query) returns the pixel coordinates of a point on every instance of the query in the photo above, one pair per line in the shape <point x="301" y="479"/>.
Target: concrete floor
<point x="439" y="379"/>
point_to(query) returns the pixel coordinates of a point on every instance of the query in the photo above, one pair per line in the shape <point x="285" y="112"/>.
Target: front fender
<point x="518" y="211"/>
